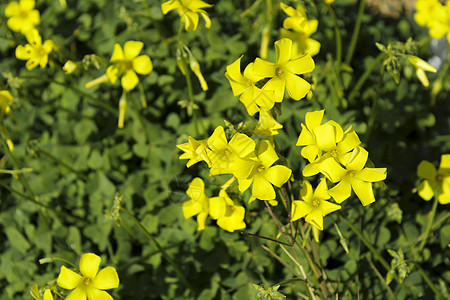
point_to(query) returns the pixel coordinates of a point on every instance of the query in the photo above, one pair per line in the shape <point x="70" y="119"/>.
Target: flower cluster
<point x="298" y="28"/>
<point x="338" y="156"/>
<point x="228" y="213"/>
<point x="435" y="16"/>
<point x="188" y="9"/>
<point x="435" y="182"/>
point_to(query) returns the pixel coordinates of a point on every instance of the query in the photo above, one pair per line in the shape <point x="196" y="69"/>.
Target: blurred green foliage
<point x="68" y="135"/>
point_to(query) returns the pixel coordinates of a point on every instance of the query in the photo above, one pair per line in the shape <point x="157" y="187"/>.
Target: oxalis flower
<point x="198" y="204"/>
<point x="314" y="205"/>
<point x="127" y="63"/>
<point x="35" y="52"/>
<point x="283" y="72"/>
<point x="228" y="213"/>
<point x="436" y="182"/>
<point x="89" y="284"/>
<point x="188" y="9"/>
<point x="22" y="15"/>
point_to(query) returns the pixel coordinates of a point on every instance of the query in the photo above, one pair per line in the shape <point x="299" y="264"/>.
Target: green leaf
<point x="17" y="240"/>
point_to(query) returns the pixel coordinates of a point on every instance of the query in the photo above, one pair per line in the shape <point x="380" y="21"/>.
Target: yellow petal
<point x="191" y="208"/>
<point x="301" y="65"/>
<point x="321" y="191"/>
<point x="421" y="64"/>
<point x="312" y="47"/>
<point x="311" y="152"/>
<point x="315" y="218"/>
<point x="300" y="209"/>
<point x="422" y="77"/>
<point x="266" y="153"/>
<point x="297" y="87"/>
<point x="332" y="170"/>
<point x="89" y="264"/>
<point x="218" y="141"/>
<point x="196" y="188"/>
<point x="217" y="207"/>
<point x="278" y="175"/>
<point x="311" y="169"/>
<point x="191" y="20"/>
<point x="306" y="191"/>
<point x="113" y="73"/>
<point x="241" y="145"/>
<point x="283" y="49"/>
<point x="27" y="4"/>
<point x="129" y="80"/>
<point x="363" y="190"/>
<point x="328" y="207"/>
<point x="12" y="9"/>
<point x="425" y="190"/>
<point x="48" y="295"/>
<point x="34" y="38"/>
<point x="237" y="81"/>
<point x="305" y="137"/>
<point x="93" y="293"/>
<point x="201" y="220"/>
<point x="106" y="279"/>
<point x="77" y="294"/>
<point x="264" y="68"/>
<point x="313" y="119"/>
<point x="170" y="5"/>
<point x="290" y="11"/>
<point x="23" y="52"/>
<point x="349" y="142"/>
<point x="132" y="49"/>
<point x="445" y="162"/>
<point x="277" y="85"/>
<point x="341" y="191"/>
<point x="371" y="174"/>
<point x="142" y="64"/>
<point x="426" y="170"/>
<point x="358" y="159"/>
<point x="118" y="54"/>
<point x="68" y="279"/>
<point x="206" y="18"/>
<point x="262" y="189"/>
<point x="325" y="137"/>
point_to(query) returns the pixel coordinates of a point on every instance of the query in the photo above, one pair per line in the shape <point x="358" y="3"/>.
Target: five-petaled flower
<point x="22" y="15"/>
<point x="127" y="63"/>
<point x="89" y="284"/>
<point x="283" y="73"/>
<point x="188" y="9"/>
<point x="229" y="214"/>
<point x="314" y="205"/>
<point x="35" y="52"/>
<point x="436" y="182"/>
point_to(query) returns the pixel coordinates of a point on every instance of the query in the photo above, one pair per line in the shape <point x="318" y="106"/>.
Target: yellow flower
<point x="260" y="171"/>
<point x="22" y="15"/>
<point x="198" y="203"/>
<point x="283" y="73"/>
<point x="188" y="9"/>
<point x="127" y="63"/>
<point x="267" y="125"/>
<point x="314" y="205"/>
<point x="89" y="284"/>
<point x="195" y="151"/>
<point x="355" y="176"/>
<point x="223" y="154"/>
<point x="251" y="96"/>
<point x="436" y="182"/>
<point x="5" y="100"/>
<point x="421" y="66"/>
<point x="48" y="295"/>
<point x="71" y="66"/>
<point x="439" y="23"/>
<point x="35" y="52"/>
<point x="229" y="215"/>
<point x="424" y="11"/>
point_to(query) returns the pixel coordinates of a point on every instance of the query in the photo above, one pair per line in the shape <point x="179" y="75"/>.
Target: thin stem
<point x="67" y="166"/>
<point x="17" y="167"/>
<point x="430" y="219"/>
<point x="380" y="277"/>
<point x="158" y="246"/>
<point x="351" y="48"/>
<point x="373" y="113"/>
<point x="263" y="237"/>
<point x="275" y="219"/>
<point x="288" y="212"/>
<point x="23" y="170"/>
<point x="430" y="283"/>
<point x="338" y="40"/>
<point x="364" y="76"/>
<point x="47" y="260"/>
<point x="279" y="259"/>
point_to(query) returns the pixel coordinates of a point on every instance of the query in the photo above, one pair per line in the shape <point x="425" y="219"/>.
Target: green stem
<point x="338" y="40"/>
<point x="67" y="166"/>
<point x="47" y="260"/>
<point x="375" y="253"/>
<point x="158" y="246"/>
<point x="355" y="35"/>
<point x="380" y="277"/>
<point x="364" y="76"/>
<point x="430" y="220"/>
<point x="430" y="283"/>
<point x="16" y="166"/>
<point x="373" y="113"/>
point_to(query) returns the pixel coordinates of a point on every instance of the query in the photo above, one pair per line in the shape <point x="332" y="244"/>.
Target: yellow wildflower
<point x="5" y="100"/>
<point x="267" y="125"/>
<point x="198" y="203"/>
<point x="436" y="182"/>
<point x="35" y="52"/>
<point x="127" y="63"/>
<point x="283" y="73"/>
<point x="188" y="9"/>
<point x="424" y="11"/>
<point x="229" y="214"/>
<point x="89" y="284"/>
<point x="195" y="151"/>
<point x="313" y="205"/>
<point x="22" y="15"/>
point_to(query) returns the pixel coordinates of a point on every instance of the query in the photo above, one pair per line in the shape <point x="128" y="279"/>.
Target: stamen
<point x="316" y="202"/>
<point x="261" y="168"/>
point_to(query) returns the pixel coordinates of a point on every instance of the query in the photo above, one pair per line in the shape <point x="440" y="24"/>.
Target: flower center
<point x="24" y="14"/>
<point x="278" y="71"/>
<point x="41" y="52"/>
<point x="439" y="177"/>
<point x="129" y="65"/>
<point x="87" y="281"/>
<point x="227" y="152"/>
<point x="316" y="202"/>
<point x="334" y="153"/>
<point x="261" y="168"/>
<point x="351" y="173"/>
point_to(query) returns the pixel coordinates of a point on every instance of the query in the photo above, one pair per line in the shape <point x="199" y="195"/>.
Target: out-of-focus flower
<point x="35" y="52"/>
<point x="89" y="284"/>
<point x="48" y="295"/>
<point x="436" y="182"/>
<point x="22" y="15"/>
<point x="188" y="9"/>
<point x="5" y="100"/>
<point x="71" y="66"/>
<point x="127" y="63"/>
<point x="314" y="205"/>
